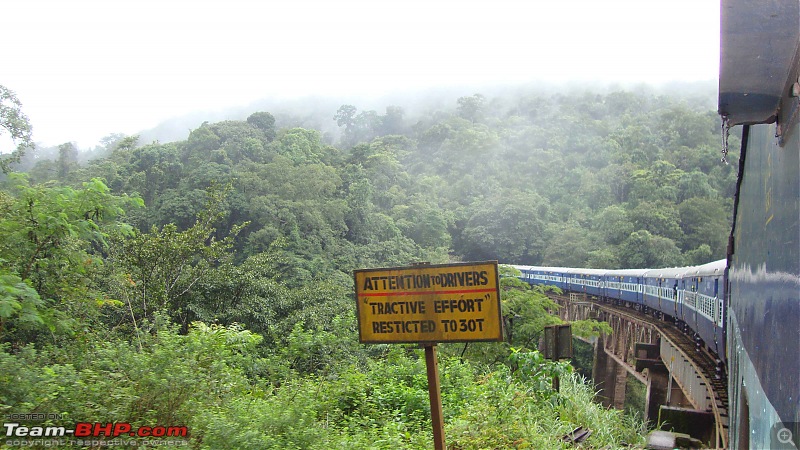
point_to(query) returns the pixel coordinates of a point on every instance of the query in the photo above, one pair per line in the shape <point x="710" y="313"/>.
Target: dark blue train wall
<point x="759" y="90"/>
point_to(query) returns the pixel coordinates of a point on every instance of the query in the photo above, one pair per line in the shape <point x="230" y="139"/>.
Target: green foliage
<point x="537" y="372"/>
<point x="301" y="146"/>
<point x="67" y="160"/>
<point x="156" y="271"/>
<point x="705" y="223"/>
<point x="265" y="122"/>
<point x="515" y="414"/>
<point x="613" y="224"/>
<point x="201" y="380"/>
<point x="526" y="311"/>
<point x="14" y="122"/>
<point x="52" y="254"/>
<point x="659" y="218"/>
<point x="568" y="246"/>
<point x="507" y="228"/>
<point x="590" y="328"/>
<point x="471" y="108"/>
<point x="167" y="381"/>
<point x="19" y="302"/>
<point x="645" y="250"/>
<point x="520" y="179"/>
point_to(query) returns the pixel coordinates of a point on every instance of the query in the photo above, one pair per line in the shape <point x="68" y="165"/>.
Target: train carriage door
<point x="675" y="297"/>
<point x="718" y="308"/>
<point x="659" y="295"/>
<point x="640" y="290"/>
<point x="695" y="289"/>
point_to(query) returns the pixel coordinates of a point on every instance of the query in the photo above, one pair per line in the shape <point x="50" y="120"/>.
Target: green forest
<point x="208" y="282"/>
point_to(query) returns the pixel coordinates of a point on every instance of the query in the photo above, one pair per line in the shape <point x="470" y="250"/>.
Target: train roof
<point x="712" y="268"/>
<point x="576" y="271"/>
<point x="626" y="272"/>
<point x="709" y="269"/>
<point x="543" y="268"/>
<point x="563" y="270"/>
<point x="667" y="272"/>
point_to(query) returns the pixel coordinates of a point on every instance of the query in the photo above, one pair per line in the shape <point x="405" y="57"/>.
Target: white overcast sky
<point x="86" y="68"/>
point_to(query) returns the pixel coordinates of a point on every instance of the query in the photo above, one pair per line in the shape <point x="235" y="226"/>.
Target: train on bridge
<point x="692" y="297"/>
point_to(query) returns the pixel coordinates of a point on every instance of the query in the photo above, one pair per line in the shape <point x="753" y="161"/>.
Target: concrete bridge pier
<point x="610" y="377"/>
<point x="657" y="388"/>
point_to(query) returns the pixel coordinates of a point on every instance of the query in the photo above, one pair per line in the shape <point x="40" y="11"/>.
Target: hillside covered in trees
<point x="582" y="179"/>
<point x="207" y="282"/>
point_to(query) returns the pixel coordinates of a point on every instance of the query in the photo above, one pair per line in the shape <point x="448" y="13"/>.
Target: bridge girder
<point x="676" y="362"/>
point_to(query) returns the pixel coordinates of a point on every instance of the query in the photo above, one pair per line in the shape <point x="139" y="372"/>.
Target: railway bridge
<point x="686" y="386"/>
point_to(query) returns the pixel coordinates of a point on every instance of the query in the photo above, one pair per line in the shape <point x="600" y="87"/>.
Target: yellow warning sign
<point x="429" y="303"/>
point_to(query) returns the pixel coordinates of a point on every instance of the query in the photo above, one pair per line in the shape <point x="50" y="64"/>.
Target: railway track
<point x="707" y="364"/>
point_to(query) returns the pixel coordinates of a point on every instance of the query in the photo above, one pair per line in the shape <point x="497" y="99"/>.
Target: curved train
<point x="692" y="296"/>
